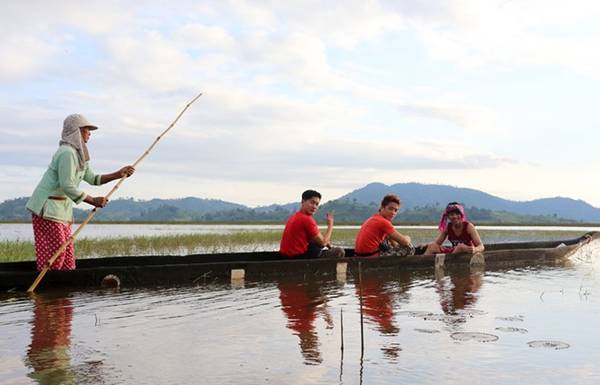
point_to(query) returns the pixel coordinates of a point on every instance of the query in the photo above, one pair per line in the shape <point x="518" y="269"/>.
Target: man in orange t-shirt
<point x="377" y="236"/>
<point x="301" y="236"/>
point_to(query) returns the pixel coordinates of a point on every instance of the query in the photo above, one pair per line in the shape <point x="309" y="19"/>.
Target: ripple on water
<point x="391" y="351"/>
<point x="415" y="313"/>
<point x="516" y="318"/>
<point x="474" y="336"/>
<point x="470" y="312"/>
<point x="427" y="331"/>
<point x="445" y="318"/>
<point x="19" y="316"/>
<point x="510" y="329"/>
<point x="428" y="316"/>
<point x="548" y="344"/>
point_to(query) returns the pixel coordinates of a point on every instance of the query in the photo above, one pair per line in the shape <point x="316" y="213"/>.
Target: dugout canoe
<point x="201" y="268"/>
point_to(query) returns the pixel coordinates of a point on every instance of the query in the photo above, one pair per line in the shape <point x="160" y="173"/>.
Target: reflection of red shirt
<point x="299" y="230"/>
<point x="377" y="304"/>
<point x="299" y="308"/>
<point x="299" y="303"/>
<point x="372" y="233"/>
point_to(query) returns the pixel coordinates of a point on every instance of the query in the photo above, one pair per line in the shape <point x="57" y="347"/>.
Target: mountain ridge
<point x="420" y="203"/>
<point x="417" y="194"/>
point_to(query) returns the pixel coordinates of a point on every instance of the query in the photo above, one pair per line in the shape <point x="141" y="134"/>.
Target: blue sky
<point x="492" y="95"/>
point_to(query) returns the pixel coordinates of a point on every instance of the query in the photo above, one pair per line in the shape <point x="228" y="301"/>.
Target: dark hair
<point x="390" y="198"/>
<point x="308" y="194"/>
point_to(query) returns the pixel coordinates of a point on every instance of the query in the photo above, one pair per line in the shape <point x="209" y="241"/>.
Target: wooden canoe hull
<point x="203" y="268"/>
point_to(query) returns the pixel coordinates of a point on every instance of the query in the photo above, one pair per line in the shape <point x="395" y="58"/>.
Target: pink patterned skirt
<point x="49" y="236"/>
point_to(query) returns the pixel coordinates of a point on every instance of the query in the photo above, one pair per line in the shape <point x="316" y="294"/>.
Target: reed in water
<point x="179" y="244"/>
<point x="239" y="241"/>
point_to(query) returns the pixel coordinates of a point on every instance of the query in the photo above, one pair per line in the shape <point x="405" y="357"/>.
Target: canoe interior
<point x="199" y="268"/>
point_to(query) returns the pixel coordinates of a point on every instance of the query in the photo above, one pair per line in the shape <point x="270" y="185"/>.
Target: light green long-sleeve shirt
<point x="61" y="180"/>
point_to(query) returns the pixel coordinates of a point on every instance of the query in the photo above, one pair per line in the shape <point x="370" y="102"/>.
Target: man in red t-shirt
<point x="301" y="236"/>
<point x="377" y="236"/>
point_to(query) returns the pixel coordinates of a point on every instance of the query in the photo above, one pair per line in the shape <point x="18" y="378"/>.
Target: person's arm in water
<point x="324" y="240"/>
<point x="477" y="244"/>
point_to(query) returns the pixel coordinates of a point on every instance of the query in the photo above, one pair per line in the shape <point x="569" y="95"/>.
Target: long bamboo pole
<point x="64" y="246"/>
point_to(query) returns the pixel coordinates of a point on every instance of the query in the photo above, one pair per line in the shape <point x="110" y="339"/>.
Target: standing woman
<point x="461" y="233"/>
<point x="51" y="203"/>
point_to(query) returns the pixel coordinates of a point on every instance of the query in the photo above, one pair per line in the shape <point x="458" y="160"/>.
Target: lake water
<point x="24" y="232"/>
<point x="536" y="325"/>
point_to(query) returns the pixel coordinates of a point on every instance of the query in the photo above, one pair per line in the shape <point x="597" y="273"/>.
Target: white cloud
<point x="23" y="56"/>
<point x="36" y="37"/>
<point x="203" y="37"/>
<point x="470" y="117"/>
<point x="282" y="107"/>
<point x="152" y="62"/>
<point x="473" y="34"/>
<point x="297" y="58"/>
<point x="90" y="17"/>
<point x="342" y="25"/>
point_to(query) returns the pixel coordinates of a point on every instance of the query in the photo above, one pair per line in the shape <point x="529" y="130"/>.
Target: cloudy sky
<point x="492" y="95"/>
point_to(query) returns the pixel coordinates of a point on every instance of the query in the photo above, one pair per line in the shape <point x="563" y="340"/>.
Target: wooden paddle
<point x="64" y="246"/>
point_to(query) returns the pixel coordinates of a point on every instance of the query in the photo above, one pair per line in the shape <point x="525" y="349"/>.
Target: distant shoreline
<point x="339" y="223"/>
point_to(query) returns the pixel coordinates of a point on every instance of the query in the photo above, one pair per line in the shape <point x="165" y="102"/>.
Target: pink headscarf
<point x="453" y="206"/>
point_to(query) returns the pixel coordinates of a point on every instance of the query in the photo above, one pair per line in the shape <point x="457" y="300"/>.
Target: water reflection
<point x="301" y="302"/>
<point x="381" y="294"/>
<point x="378" y="302"/>
<point x="209" y="332"/>
<point x="458" y="291"/>
<point x="49" y="352"/>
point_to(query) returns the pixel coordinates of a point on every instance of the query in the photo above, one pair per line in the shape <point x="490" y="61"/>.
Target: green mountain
<point x="14" y="210"/>
<point x="421" y="195"/>
<point x="184" y="209"/>
<point x="129" y="209"/>
<point x="421" y="203"/>
<point x="347" y="210"/>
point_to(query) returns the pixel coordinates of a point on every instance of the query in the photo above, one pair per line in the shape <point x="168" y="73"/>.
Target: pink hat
<point x="452" y="206"/>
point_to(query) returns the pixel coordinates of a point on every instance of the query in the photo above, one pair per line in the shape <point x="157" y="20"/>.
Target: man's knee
<point x="333" y="252"/>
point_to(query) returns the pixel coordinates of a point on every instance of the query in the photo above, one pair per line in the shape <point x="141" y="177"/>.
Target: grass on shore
<point x="165" y="244"/>
<point x="238" y="241"/>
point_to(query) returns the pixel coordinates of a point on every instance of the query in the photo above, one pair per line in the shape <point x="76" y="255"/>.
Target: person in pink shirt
<point x="461" y="233"/>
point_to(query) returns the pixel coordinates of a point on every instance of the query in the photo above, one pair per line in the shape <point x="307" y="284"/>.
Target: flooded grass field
<point x="119" y="240"/>
<point x="535" y="325"/>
